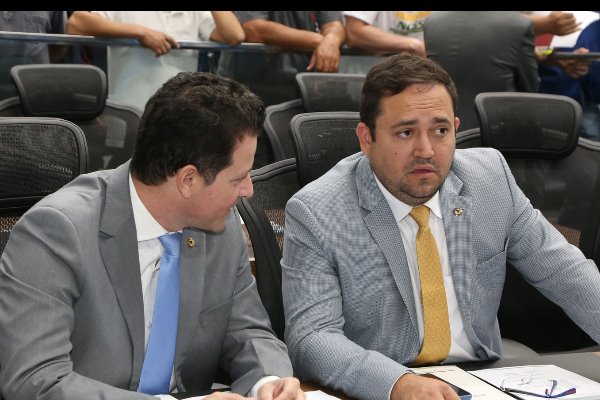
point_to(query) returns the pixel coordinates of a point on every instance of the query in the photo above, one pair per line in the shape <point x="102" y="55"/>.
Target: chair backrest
<point x="321" y="139"/>
<point x="560" y="174"/>
<point x="37" y="157"/>
<point x="323" y="91"/>
<point x="277" y="127"/>
<point x="77" y="92"/>
<point x="264" y="216"/>
<point x="528" y="125"/>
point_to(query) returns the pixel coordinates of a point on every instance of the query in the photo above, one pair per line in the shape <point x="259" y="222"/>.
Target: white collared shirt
<point x="150" y="249"/>
<point x="460" y="348"/>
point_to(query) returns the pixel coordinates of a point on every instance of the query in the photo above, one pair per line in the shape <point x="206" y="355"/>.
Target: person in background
<point x="396" y="257"/>
<point x="135" y="282"/>
<point x="309" y="40"/>
<point x="28" y="52"/>
<point x="315" y="37"/>
<point x="576" y="78"/>
<point x="134" y="74"/>
<point x="483" y="51"/>
<point x="381" y="32"/>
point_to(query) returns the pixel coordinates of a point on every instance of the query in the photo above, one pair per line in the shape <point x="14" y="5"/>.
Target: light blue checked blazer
<point x="349" y="304"/>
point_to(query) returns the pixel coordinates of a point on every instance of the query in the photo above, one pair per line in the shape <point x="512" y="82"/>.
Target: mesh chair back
<point x="323" y="91"/>
<point x="528" y="124"/>
<point x="77" y="92"/>
<point x="264" y="216"/>
<point x="37" y="157"/>
<point x="560" y="174"/>
<point x="277" y="127"/>
<point x="322" y="139"/>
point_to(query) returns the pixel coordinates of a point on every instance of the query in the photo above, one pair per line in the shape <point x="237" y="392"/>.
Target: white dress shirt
<point x="150" y="249"/>
<point x="460" y="348"/>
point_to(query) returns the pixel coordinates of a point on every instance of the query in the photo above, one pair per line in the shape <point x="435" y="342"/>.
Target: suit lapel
<point x="192" y="268"/>
<point x="119" y="252"/>
<point x="383" y="227"/>
<point x="457" y="216"/>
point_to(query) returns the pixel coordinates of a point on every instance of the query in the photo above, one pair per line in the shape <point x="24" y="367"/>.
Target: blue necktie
<point x="160" y="352"/>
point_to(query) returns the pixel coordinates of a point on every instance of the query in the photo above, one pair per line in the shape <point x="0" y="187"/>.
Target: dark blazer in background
<point x="483" y="51"/>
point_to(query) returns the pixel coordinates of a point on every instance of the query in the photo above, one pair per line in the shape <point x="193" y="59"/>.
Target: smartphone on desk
<point x="462" y="393"/>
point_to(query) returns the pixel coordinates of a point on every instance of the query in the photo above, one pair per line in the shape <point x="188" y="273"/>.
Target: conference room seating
<point x="319" y="92"/>
<point x="560" y="173"/>
<point x="276" y="127"/>
<point x="322" y="91"/>
<point x="321" y="139"/>
<point x="37" y="157"/>
<point x="264" y="216"/>
<point x="78" y="93"/>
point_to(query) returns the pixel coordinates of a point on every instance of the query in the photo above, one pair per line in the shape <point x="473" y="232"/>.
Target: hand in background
<point x="157" y="41"/>
<point x="562" y="23"/>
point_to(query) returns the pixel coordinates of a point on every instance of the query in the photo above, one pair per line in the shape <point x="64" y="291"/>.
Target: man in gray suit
<point x="483" y="51"/>
<point x="356" y="316"/>
<point x="79" y="275"/>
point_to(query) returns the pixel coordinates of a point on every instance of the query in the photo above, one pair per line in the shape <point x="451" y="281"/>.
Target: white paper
<point x="530" y="377"/>
<point x="314" y="395"/>
<point x="461" y="378"/>
<point x="319" y="395"/>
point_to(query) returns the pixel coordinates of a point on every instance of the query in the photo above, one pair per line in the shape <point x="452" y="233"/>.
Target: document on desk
<point x="313" y="395"/>
<point x="539" y="379"/>
<point x="461" y="378"/>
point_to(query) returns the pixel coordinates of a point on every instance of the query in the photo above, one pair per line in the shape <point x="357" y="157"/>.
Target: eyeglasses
<point x="546" y="388"/>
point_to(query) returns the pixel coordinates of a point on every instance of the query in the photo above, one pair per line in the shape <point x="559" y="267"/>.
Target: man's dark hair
<point x="392" y="76"/>
<point x="194" y="118"/>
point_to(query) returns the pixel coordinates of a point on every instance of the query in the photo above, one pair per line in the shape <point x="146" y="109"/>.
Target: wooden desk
<point x="585" y="364"/>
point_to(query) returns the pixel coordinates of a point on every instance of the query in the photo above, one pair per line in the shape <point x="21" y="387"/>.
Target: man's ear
<point x="186" y="178"/>
<point x="456" y="124"/>
<point x="364" y="137"/>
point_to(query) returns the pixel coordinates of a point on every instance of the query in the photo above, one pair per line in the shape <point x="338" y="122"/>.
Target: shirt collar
<point x="401" y="209"/>
<point x="145" y="225"/>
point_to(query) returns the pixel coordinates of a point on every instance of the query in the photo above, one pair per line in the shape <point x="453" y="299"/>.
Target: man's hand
<point x="281" y="389"/>
<point x="224" y="396"/>
<point x="562" y="23"/>
<point x="157" y="41"/>
<point x="415" y="387"/>
<point x="326" y="57"/>
<point x="575" y="68"/>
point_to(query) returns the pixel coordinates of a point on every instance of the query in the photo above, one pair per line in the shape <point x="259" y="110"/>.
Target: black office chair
<point x="76" y="92"/>
<point x="321" y="91"/>
<point x="37" y="157"/>
<point x="321" y="139"/>
<point x="277" y="125"/>
<point x="560" y="173"/>
<point x="264" y="216"/>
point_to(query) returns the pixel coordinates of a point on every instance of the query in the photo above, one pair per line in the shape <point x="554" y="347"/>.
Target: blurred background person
<point x="134" y="74"/>
<point x="381" y="32"/>
<point x="483" y="51"/>
<point x="26" y="52"/>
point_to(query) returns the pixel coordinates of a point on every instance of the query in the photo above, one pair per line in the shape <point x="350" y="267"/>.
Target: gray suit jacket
<point x="349" y="304"/>
<point x="71" y="309"/>
<point x="483" y="51"/>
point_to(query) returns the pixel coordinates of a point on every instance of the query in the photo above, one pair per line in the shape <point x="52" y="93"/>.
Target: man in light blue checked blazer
<point x="354" y="315"/>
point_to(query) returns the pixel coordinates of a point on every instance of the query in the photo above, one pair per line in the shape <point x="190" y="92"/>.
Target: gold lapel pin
<point x="191" y="242"/>
<point x="458" y="211"/>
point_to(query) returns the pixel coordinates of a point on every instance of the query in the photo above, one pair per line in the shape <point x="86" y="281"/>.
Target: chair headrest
<point x="69" y="91"/>
<point x="323" y="91"/>
<point x="528" y="125"/>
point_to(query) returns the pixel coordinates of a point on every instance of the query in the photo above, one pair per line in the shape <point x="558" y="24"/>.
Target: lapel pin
<point x="191" y="242"/>
<point x="458" y="211"/>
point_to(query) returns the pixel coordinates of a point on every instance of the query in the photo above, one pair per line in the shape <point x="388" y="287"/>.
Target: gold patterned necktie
<point x="436" y="341"/>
